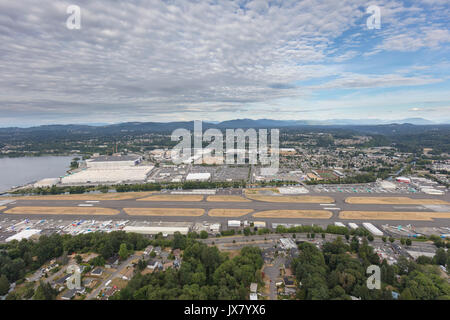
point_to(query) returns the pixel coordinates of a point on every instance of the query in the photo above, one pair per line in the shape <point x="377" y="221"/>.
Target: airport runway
<point x="257" y="206"/>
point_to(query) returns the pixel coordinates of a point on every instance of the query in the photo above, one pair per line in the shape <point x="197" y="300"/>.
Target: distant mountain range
<point x="410" y="125"/>
<point x="248" y="123"/>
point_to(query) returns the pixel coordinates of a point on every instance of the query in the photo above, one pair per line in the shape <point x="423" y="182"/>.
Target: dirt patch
<point x="63" y="211"/>
<point x="292" y="199"/>
<point x="120" y="283"/>
<point x="227" y="199"/>
<point x="393" y="215"/>
<point x="307" y="214"/>
<point x="173" y="197"/>
<point x="2" y="207"/>
<point x="229" y="212"/>
<point x="392" y="200"/>
<point x="167" y="212"/>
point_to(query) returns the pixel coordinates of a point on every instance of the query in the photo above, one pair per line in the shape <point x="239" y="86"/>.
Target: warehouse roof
<point x="198" y="176"/>
<point x="25" y="234"/>
<point x="115" y="158"/>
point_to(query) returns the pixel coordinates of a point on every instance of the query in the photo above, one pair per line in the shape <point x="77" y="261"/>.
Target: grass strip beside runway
<point x="63" y="211"/>
<point x="2" y="207"/>
<point x="83" y="197"/>
<point x="393" y="215"/>
<point x="392" y="200"/>
<point x="165" y="212"/>
<point x="227" y="199"/>
<point x="173" y="197"/>
<point x="292" y="199"/>
<point x="294" y="214"/>
<point x="229" y="212"/>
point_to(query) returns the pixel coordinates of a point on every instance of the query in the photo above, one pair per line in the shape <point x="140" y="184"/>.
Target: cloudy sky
<point x="178" y="60"/>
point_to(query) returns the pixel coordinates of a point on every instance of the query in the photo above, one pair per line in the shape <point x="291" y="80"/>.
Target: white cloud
<point x="150" y="59"/>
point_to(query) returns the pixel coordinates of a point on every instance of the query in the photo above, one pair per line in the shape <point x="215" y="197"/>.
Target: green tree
<point x="45" y="292"/>
<point x="4" y="285"/>
<point x="123" y="251"/>
<point x="78" y="259"/>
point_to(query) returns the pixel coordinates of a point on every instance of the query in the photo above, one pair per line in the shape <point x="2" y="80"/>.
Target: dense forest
<point x="205" y="274"/>
<point x="338" y="271"/>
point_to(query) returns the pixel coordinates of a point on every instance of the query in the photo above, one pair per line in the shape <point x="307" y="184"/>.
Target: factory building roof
<point x="115" y="158"/>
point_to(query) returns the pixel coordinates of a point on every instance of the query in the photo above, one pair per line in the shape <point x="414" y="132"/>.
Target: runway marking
<point x="92" y="201"/>
<point x="85" y="205"/>
<point x="292" y="199"/>
<point x="226" y="198"/>
<point x="62" y="211"/>
<point x="392" y="200"/>
<point x="173" y="197"/>
<point x="167" y="212"/>
<point x="393" y="215"/>
<point x="229" y="212"/>
<point x="292" y="214"/>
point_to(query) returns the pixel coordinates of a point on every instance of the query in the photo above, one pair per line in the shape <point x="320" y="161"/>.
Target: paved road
<point x="123" y="265"/>
<point x="273" y="273"/>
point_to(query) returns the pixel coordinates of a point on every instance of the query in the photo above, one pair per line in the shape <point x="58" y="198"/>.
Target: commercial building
<point x="109" y="162"/>
<point x="234" y="223"/>
<point x="372" y="229"/>
<point x="156" y="229"/>
<point x="111" y="175"/>
<point x="202" y="176"/>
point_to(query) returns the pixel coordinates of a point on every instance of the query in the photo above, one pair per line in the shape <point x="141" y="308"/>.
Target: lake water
<point x="19" y="171"/>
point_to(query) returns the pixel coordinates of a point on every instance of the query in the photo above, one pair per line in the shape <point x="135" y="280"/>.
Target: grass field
<point x="392" y="200"/>
<point x="307" y="214"/>
<point x="165" y="212"/>
<point x="63" y="210"/>
<point x="2" y="207"/>
<point x="393" y="215"/>
<point x="82" y="197"/>
<point x="173" y="197"/>
<point x="229" y="212"/>
<point x="227" y="199"/>
<point x="257" y="190"/>
<point x="292" y="199"/>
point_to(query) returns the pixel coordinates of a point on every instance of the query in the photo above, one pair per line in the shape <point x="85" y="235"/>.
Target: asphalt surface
<point x="256" y="205"/>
